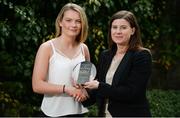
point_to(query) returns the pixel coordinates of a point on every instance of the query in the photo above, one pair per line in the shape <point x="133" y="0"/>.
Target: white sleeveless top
<point x="59" y="72"/>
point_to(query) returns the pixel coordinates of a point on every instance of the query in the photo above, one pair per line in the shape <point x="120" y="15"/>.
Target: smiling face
<point x="121" y="32"/>
<point x="71" y="23"/>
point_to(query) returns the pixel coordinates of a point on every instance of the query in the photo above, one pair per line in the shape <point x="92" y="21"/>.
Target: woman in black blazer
<point x="123" y="71"/>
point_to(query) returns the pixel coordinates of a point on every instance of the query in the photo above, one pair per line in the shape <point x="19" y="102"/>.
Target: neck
<point x="67" y="41"/>
<point x="121" y="49"/>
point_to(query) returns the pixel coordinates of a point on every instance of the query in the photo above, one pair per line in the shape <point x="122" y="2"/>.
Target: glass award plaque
<point x="83" y="72"/>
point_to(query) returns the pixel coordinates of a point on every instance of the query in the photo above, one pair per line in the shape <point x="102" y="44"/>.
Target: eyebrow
<point x="120" y="25"/>
<point x="71" y="18"/>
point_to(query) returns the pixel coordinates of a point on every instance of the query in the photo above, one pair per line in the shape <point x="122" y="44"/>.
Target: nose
<point x="74" y="24"/>
<point x="119" y="30"/>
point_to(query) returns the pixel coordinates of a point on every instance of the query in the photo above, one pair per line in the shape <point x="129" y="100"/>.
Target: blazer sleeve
<point x="135" y="79"/>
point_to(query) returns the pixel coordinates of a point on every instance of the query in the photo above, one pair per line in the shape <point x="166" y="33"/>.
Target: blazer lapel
<point x="119" y="74"/>
<point x="108" y="63"/>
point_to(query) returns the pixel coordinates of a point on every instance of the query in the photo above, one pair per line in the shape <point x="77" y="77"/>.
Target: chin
<point x="73" y="33"/>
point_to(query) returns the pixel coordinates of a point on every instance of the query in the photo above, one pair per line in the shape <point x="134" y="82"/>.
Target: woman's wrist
<point x="69" y="90"/>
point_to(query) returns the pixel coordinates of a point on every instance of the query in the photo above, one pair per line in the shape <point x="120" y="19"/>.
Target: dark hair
<point x="135" y="42"/>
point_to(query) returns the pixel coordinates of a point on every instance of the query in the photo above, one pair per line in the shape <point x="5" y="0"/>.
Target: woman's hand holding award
<point x="83" y="72"/>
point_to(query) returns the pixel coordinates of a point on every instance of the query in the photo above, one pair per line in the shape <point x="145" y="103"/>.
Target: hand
<point x="82" y="96"/>
<point x="78" y="86"/>
<point x="70" y="90"/>
<point x="79" y="94"/>
<point x="91" y="84"/>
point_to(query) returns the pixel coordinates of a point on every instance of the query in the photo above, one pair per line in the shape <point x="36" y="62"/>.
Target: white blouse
<point x="59" y="72"/>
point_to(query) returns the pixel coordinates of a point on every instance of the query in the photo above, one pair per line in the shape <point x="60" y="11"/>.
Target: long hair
<point x="84" y="22"/>
<point x="135" y="42"/>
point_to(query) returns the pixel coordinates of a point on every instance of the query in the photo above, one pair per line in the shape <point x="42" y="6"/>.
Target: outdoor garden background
<point x="25" y="24"/>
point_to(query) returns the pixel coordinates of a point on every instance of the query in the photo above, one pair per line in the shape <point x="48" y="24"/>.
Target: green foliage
<point x="9" y="106"/>
<point x="93" y="112"/>
<point x="16" y="102"/>
<point x="7" y="69"/>
<point x="164" y="103"/>
<point x="25" y="24"/>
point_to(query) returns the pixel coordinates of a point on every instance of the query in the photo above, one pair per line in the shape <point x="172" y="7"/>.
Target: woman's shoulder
<point x="143" y="50"/>
<point x="143" y="53"/>
<point x="46" y="46"/>
<point x="84" y="45"/>
<point x="85" y="50"/>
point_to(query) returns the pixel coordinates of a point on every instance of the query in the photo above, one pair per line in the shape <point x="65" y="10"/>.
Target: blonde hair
<point x="84" y="22"/>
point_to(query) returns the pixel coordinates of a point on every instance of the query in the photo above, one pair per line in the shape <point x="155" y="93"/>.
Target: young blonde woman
<point x="55" y="60"/>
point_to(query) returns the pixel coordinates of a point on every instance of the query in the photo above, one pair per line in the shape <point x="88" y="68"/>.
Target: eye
<point x="68" y="20"/>
<point x="124" y="27"/>
<point x="78" y="21"/>
<point x="114" y="27"/>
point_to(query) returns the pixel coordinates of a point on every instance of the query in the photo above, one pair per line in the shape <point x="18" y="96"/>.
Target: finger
<point x="83" y="98"/>
<point x="85" y="93"/>
<point x="78" y="99"/>
<point x="87" y="86"/>
<point x="77" y="86"/>
<point x="86" y="83"/>
<point x="74" y="96"/>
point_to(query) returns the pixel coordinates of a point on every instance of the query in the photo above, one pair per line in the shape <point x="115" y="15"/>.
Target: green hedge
<point x="162" y="103"/>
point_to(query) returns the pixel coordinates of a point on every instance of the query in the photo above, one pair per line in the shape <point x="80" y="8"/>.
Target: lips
<point x="118" y="36"/>
<point x="74" y="30"/>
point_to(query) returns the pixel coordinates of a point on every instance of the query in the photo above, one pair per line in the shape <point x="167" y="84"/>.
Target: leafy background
<point x="25" y="24"/>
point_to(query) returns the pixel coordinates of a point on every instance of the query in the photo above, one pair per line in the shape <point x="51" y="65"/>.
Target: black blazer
<point x="127" y="94"/>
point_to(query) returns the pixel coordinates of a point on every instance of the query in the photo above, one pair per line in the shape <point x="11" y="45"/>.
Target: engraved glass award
<point x="83" y="72"/>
